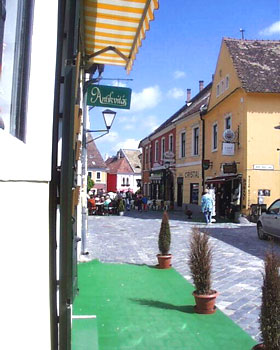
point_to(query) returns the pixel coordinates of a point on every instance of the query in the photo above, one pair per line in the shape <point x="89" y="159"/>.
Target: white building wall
<point x="25" y="171"/>
<point x="131" y="180"/>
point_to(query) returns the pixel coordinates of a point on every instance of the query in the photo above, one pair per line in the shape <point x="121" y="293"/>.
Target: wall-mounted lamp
<point x="109" y="117"/>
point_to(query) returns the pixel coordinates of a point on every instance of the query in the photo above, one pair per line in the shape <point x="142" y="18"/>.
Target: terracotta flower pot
<point x="205" y="304"/>
<point x="259" y="347"/>
<point x="164" y="261"/>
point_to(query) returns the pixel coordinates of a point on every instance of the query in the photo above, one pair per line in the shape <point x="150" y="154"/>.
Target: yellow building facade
<point x="240" y="137"/>
<point x="189" y="152"/>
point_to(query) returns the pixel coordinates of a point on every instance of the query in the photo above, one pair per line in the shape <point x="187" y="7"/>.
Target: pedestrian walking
<point x="207" y="206"/>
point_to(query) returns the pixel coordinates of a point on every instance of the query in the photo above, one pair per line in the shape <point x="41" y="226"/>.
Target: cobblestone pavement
<point x="237" y="265"/>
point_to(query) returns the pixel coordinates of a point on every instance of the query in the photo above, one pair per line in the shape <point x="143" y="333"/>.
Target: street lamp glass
<point x="109" y="117"/>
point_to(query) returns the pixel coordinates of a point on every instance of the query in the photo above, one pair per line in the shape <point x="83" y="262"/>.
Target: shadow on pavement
<point x="244" y="238"/>
<point x="162" y="305"/>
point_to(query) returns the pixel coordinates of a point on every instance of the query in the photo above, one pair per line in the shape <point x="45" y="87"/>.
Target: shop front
<point x="228" y="195"/>
<point x="162" y="186"/>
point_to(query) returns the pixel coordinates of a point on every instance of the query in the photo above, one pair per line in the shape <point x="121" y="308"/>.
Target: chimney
<point x="201" y="85"/>
<point x="188" y="95"/>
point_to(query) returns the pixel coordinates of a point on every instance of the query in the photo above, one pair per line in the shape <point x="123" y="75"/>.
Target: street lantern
<point x="109" y="117"/>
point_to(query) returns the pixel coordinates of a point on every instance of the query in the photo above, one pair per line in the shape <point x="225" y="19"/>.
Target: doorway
<point x="179" y="191"/>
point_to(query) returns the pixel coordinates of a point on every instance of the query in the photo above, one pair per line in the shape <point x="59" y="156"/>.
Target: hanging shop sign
<point x="228" y="149"/>
<point x="230" y="168"/>
<point x="206" y="164"/>
<point x="108" y="96"/>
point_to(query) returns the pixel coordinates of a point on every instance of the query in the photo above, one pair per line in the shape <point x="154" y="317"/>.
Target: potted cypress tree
<point x="121" y="207"/>
<point x="200" y="263"/>
<point x="270" y="307"/>
<point x="164" y="240"/>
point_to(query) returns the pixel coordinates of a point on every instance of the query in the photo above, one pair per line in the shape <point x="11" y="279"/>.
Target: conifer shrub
<point x="200" y="262"/>
<point x="270" y="307"/>
<point x="164" y="238"/>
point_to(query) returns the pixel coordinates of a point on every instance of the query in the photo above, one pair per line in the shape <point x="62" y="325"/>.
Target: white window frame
<point x="194" y="128"/>
<point x="156" y="151"/>
<point x="98" y="176"/>
<point x="16" y="35"/>
<point x="170" y="142"/>
<point x="227" y="82"/>
<point x="183" y="132"/>
<point x="215" y="125"/>
<point x="218" y="93"/>
<point x="162" y="147"/>
<point x="228" y="117"/>
<point x="222" y="82"/>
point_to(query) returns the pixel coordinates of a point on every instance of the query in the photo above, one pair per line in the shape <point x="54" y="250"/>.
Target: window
<point x="183" y="144"/>
<point x="15" y="48"/>
<point x="90" y="174"/>
<point x="194" y="190"/>
<point x="227" y="82"/>
<point x="127" y="181"/>
<point x="228" y="121"/>
<point x="98" y="176"/>
<point x="162" y="147"/>
<point x="218" y="90"/>
<point x="195" y="140"/>
<point x="156" y="151"/>
<point x="146" y="155"/>
<point x="150" y="154"/>
<point x="222" y="86"/>
<point x="214" y="137"/>
<point x="171" y="142"/>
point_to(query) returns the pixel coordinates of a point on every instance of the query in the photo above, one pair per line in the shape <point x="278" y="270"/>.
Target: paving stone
<point x="237" y="261"/>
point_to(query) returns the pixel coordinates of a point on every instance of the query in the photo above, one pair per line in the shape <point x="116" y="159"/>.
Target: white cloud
<point x="111" y="137"/>
<point x="274" y="28"/>
<point x="127" y="144"/>
<point x="147" y="98"/>
<point x="119" y="83"/>
<point x="175" y="93"/>
<point x="179" y="74"/>
<point x="149" y="123"/>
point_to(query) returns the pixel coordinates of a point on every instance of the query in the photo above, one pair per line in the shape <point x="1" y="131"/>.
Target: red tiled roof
<point x="118" y="166"/>
<point x="94" y="158"/>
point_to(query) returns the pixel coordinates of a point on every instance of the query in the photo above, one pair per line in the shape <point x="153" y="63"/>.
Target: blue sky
<point x="180" y="49"/>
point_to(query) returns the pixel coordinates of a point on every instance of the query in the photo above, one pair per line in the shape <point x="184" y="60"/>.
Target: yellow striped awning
<point x="114" y="29"/>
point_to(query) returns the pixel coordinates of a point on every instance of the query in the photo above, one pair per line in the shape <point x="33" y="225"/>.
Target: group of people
<point x="102" y="203"/>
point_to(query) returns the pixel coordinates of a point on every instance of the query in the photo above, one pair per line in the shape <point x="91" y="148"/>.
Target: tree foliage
<point x="90" y="183"/>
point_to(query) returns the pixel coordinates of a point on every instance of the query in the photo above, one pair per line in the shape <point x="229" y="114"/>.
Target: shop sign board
<point x="263" y="167"/>
<point x="230" y="168"/>
<point x="108" y="96"/>
<point x="228" y="149"/>
<point x="192" y="174"/>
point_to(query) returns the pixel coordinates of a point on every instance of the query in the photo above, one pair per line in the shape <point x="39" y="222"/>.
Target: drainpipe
<point x="203" y="111"/>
